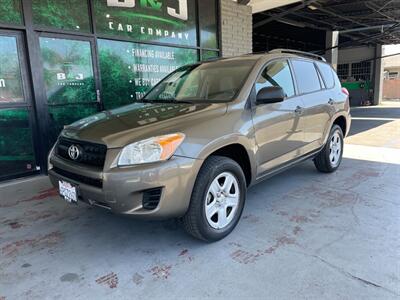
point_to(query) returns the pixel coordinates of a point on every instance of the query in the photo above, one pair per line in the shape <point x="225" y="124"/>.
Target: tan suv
<point x="194" y="144"/>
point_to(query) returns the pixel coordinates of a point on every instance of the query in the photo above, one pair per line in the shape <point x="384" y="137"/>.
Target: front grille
<point x="79" y="178"/>
<point x="151" y="198"/>
<point x="91" y="154"/>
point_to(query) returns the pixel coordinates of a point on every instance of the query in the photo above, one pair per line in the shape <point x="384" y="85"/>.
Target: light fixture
<point x="312" y="7"/>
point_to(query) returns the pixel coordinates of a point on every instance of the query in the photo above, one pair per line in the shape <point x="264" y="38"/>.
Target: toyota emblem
<point x="74" y="152"/>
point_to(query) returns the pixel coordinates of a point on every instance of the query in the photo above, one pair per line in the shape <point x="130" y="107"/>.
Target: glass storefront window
<point x="68" y="70"/>
<point x="207" y="54"/>
<point x="16" y="148"/>
<point x="11" y="89"/>
<point x="10" y="12"/>
<point x="208" y="24"/>
<point x="129" y="70"/>
<point x="171" y="22"/>
<point x="69" y="81"/>
<point x="72" y="15"/>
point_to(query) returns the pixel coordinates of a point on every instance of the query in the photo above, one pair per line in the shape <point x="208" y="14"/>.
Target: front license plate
<point x="68" y="192"/>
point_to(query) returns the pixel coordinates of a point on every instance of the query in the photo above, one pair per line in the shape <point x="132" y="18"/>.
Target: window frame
<point x="322" y="76"/>
<point x="234" y="98"/>
<point x="287" y="59"/>
<point x="95" y="68"/>
<point x="295" y="75"/>
<point x="29" y="104"/>
<point x="22" y="60"/>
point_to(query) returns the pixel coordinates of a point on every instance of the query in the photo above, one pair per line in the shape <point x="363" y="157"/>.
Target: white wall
<point x="356" y="54"/>
<point x="263" y="5"/>
<point x="392" y="62"/>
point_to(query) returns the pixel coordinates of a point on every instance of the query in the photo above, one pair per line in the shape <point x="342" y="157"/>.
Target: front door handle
<point x="331" y="101"/>
<point x="298" y="110"/>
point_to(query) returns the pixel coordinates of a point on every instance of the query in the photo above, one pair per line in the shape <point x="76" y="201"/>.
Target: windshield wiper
<point x="173" y="101"/>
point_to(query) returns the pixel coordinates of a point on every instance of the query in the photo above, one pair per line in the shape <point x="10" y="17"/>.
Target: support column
<point x="332" y="42"/>
<point x="378" y="74"/>
<point x="236" y="28"/>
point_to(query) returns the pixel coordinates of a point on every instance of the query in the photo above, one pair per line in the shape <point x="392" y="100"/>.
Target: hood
<point x="119" y="127"/>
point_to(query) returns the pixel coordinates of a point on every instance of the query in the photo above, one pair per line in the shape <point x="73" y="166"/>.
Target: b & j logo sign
<point x="170" y="21"/>
<point x="64" y="79"/>
<point x="181" y="13"/>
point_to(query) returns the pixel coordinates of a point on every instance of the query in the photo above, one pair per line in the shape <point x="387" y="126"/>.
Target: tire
<point x="208" y="226"/>
<point x="326" y="161"/>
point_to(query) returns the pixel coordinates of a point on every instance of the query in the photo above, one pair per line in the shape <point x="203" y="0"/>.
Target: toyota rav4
<point x="200" y="138"/>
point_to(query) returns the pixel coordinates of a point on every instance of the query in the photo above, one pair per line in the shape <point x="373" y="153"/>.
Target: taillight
<point x="345" y="91"/>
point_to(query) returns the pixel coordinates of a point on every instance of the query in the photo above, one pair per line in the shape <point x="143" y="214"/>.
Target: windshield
<point x="217" y="81"/>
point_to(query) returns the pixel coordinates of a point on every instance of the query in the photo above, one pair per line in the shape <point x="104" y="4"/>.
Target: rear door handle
<point x="298" y="110"/>
<point x="331" y="101"/>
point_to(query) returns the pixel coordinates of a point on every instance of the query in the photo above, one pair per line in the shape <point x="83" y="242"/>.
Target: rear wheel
<point x="217" y="200"/>
<point x="330" y="157"/>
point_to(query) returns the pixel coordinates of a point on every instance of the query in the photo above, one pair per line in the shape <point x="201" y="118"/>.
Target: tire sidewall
<point x="334" y="129"/>
<point x="205" y="228"/>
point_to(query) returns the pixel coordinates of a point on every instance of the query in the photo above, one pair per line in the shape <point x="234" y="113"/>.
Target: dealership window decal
<point x="128" y="70"/>
<point x="172" y="22"/>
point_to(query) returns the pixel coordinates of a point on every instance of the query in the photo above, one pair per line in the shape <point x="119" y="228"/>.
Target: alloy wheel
<point x="222" y="200"/>
<point x="335" y="149"/>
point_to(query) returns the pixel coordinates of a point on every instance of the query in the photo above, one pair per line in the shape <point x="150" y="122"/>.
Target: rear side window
<point x="277" y="73"/>
<point x="327" y="75"/>
<point x="307" y="76"/>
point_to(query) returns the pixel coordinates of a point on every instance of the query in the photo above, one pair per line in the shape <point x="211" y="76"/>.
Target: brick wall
<point x="236" y="28"/>
<point x="391" y="89"/>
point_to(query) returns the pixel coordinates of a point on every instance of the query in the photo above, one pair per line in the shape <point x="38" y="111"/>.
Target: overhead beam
<point x="367" y="28"/>
<point x="379" y="11"/>
<point x="340" y="16"/>
<point x="319" y="26"/>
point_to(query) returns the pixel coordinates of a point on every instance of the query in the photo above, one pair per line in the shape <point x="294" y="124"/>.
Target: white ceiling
<point x="262" y="5"/>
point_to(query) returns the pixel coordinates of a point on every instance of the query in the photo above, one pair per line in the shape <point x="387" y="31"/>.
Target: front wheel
<point x="330" y="157"/>
<point x="217" y="200"/>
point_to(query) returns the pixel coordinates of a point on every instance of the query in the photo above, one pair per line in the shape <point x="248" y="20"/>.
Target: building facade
<point x="391" y="65"/>
<point x="62" y="60"/>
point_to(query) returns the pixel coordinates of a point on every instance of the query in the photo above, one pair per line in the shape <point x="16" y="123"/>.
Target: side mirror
<point x="271" y="94"/>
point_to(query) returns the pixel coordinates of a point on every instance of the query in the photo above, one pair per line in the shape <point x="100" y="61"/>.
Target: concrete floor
<point x="303" y="235"/>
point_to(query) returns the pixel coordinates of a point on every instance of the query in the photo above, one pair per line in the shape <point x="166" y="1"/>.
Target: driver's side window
<point x="277" y="73"/>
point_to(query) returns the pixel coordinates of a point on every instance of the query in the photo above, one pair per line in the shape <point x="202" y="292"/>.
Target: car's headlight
<point x="155" y="149"/>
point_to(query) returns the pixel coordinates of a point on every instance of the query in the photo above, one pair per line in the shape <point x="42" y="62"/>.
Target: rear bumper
<point x="122" y="190"/>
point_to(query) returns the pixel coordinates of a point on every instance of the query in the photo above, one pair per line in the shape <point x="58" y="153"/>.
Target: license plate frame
<point x="68" y="191"/>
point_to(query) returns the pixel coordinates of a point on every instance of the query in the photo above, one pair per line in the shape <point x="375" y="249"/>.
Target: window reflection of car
<point x="194" y="144"/>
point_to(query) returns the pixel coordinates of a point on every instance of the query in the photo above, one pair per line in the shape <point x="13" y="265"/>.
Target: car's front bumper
<point x="122" y="189"/>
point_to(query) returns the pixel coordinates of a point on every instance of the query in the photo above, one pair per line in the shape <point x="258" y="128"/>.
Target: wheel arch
<point x="238" y="153"/>
<point x="341" y="119"/>
<point x="341" y="122"/>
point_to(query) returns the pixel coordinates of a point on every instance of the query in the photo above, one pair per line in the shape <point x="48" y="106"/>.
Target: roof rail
<point x="302" y="53"/>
